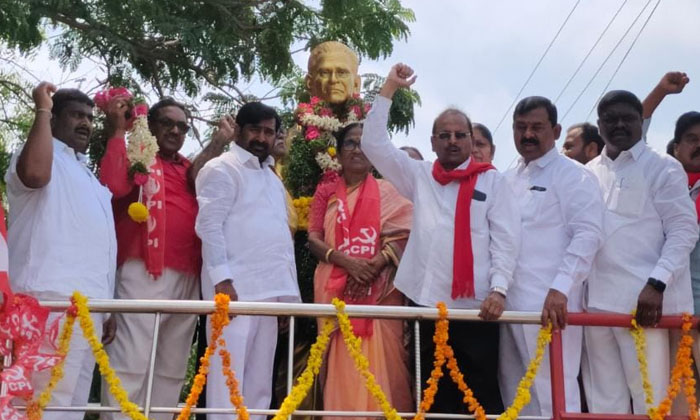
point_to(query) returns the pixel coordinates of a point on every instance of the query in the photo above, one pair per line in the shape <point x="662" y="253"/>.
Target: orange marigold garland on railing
<point x="682" y="372"/>
<point x="440" y="340"/>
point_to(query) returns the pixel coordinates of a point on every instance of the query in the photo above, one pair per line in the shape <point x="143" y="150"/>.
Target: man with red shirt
<point x="158" y="259"/>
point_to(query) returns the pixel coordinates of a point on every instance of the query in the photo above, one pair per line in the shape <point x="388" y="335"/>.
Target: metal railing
<point x="294" y="310"/>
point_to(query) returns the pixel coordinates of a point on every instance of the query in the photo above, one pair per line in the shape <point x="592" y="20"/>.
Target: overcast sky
<point x="476" y="55"/>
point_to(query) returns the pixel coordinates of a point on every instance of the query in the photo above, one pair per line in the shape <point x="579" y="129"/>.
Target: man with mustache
<point x="61" y="234"/>
<point x="561" y="210"/>
<point x="650" y="229"/>
<point x="158" y="259"/>
<point x="248" y="252"/>
<point x="464" y="241"/>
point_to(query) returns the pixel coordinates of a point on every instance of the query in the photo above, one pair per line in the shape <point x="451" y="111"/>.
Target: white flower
<point x="323" y="123"/>
<point x="143" y="146"/>
<point x="325" y="161"/>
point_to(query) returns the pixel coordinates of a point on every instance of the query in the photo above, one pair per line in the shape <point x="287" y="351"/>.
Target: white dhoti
<point x="74" y="388"/>
<point x="130" y="352"/>
<point x="517" y="347"/>
<point x="251" y="340"/>
<point x="610" y="370"/>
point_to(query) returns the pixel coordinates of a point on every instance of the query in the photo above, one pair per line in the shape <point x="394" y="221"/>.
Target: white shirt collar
<point x="63" y="147"/>
<point x="635" y="151"/>
<point x="542" y="161"/>
<point x="243" y="156"/>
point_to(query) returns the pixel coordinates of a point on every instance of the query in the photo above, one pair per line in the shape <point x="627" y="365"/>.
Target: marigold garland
<point x="522" y="395"/>
<point x="302" y="205"/>
<point x="35" y="408"/>
<point x="306" y="379"/>
<point x="682" y="372"/>
<point x="231" y="382"/>
<point x="440" y="340"/>
<point x="108" y="375"/>
<point x="354" y="344"/>
<point x="219" y="319"/>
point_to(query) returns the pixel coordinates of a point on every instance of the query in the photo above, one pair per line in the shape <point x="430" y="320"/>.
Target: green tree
<point x="187" y="45"/>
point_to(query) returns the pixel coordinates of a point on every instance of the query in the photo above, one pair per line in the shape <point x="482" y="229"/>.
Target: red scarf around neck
<point x="154" y="231"/>
<point x="693" y="178"/>
<point x="357" y="235"/>
<point x="463" y="259"/>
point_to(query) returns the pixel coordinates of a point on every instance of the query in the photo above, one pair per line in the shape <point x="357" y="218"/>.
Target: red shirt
<point x="182" y="246"/>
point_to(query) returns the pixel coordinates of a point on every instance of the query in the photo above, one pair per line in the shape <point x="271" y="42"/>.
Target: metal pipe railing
<point x="364" y="311"/>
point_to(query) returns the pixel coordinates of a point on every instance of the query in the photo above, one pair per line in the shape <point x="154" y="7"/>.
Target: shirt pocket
<point x="627" y="197"/>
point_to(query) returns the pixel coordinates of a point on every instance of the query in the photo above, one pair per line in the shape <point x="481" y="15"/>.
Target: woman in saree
<point x="358" y="229"/>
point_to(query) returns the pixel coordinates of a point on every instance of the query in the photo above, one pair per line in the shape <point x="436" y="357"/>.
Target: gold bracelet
<point x="38" y="110"/>
<point x="328" y="254"/>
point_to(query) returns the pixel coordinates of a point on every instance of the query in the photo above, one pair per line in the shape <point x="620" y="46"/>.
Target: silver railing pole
<point x="152" y="364"/>
<point x="416" y="344"/>
<point x="290" y="357"/>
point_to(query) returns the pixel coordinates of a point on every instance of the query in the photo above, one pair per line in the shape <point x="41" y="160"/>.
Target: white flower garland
<point x="326" y="162"/>
<point x="143" y="146"/>
<point x="327" y="123"/>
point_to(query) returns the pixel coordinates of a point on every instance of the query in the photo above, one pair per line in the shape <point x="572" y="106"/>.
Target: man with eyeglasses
<point x="643" y="266"/>
<point x="464" y="241"/>
<point x="562" y="213"/>
<point x="158" y="259"/>
<point x="248" y="252"/>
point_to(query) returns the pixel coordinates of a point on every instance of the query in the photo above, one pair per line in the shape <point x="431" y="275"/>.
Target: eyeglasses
<point x="168" y="124"/>
<point x="350" y="145"/>
<point x="447" y="135"/>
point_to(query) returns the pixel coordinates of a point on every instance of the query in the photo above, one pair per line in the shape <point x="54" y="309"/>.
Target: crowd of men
<point x="548" y="235"/>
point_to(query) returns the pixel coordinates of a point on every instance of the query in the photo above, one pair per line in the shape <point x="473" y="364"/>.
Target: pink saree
<point x="343" y="387"/>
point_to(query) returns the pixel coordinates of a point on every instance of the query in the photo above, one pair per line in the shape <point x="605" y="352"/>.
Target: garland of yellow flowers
<point x="35" y="408"/>
<point x="354" y="345"/>
<point x="682" y="371"/>
<point x="440" y="340"/>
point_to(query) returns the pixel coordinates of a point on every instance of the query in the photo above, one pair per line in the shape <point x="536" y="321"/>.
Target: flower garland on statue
<point x="141" y="148"/>
<point x="302" y="205"/>
<point x="319" y="121"/>
<point x="682" y="371"/>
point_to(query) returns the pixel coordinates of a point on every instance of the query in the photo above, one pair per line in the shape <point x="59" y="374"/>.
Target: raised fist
<point x="401" y="75"/>
<point x="673" y="82"/>
<point x="42" y="95"/>
<point x="226" y="131"/>
<point x="118" y="113"/>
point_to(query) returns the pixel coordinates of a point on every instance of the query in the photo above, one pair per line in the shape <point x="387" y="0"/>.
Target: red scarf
<point x="463" y="259"/>
<point x="154" y="234"/>
<point x="357" y="235"/>
<point x="694" y="177"/>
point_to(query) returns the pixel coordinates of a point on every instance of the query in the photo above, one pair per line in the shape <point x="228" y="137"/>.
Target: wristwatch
<point x="500" y="290"/>
<point x="658" y="285"/>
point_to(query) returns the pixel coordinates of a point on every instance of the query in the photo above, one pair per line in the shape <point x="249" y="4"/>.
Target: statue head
<point x="332" y="72"/>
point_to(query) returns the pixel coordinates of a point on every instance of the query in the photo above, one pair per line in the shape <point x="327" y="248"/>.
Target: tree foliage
<point x="188" y="44"/>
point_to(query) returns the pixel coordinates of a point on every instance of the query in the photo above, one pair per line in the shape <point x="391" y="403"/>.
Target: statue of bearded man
<point x="332" y="73"/>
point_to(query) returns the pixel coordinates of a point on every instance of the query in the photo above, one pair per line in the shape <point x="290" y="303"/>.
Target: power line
<point x="605" y="61"/>
<point x="634" y="41"/>
<point x="536" y="66"/>
<point x="590" y="52"/>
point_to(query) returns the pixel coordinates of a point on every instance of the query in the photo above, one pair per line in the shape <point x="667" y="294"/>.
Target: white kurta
<point x="562" y="217"/>
<point x="242" y="222"/>
<point x="61" y="239"/>
<point x="425" y="272"/>
<point x="650" y="228"/>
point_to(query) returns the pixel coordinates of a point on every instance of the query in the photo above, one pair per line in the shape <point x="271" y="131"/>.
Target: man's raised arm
<point x="395" y="165"/>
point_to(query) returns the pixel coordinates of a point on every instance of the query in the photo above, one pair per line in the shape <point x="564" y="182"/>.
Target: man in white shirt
<point x="650" y="227"/>
<point x="464" y="240"/>
<point x="247" y="252"/>
<point x="61" y="235"/>
<point x="562" y="216"/>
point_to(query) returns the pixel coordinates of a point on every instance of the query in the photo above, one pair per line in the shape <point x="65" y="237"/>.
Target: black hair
<point x="669" y="147"/>
<point x="154" y="111"/>
<point x="413" y="149"/>
<point x="63" y="96"/>
<point x="254" y="112"/>
<point x="684" y="123"/>
<point x="533" y="102"/>
<point x="487" y="135"/>
<point x="340" y="135"/>
<point x="453" y="111"/>
<point x="619" y="96"/>
<point x="590" y="134"/>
